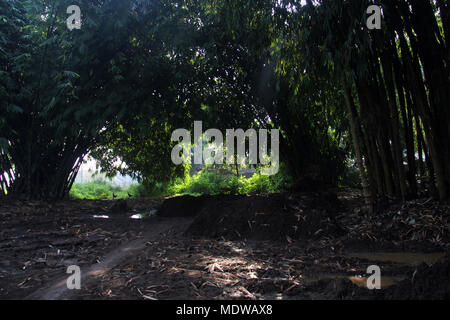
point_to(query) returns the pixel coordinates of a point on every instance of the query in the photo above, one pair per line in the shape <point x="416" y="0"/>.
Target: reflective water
<point x="144" y="215"/>
<point x="405" y="258"/>
<point x="386" y="281"/>
<point x="409" y="258"/>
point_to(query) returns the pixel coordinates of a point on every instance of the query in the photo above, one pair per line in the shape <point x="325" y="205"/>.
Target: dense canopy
<point x="136" y="70"/>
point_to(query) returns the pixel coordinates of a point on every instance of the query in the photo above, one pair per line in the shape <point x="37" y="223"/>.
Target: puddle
<point x="386" y="281"/>
<point x="144" y="215"/>
<point x="409" y="258"/>
<point x="95" y="216"/>
<point x="137" y="216"/>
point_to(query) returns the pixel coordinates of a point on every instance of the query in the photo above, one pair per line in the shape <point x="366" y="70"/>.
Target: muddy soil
<point x="39" y="240"/>
<point x="299" y="245"/>
<point x="269" y="217"/>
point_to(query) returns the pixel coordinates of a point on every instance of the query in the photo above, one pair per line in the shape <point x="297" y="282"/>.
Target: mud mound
<point x="268" y="217"/>
<point x="119" y="206"/>
<point x="182" y="206"/>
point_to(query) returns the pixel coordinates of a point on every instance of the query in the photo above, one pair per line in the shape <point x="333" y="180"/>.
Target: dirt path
<point x="160" y="226"/>
<point x="293" y="246"/>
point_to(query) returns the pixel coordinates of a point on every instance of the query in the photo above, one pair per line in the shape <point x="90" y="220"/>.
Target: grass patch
<point x="100" y="189"/>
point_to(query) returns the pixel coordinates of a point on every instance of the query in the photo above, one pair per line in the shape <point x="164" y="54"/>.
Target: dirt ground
<point x="303" y="245"/>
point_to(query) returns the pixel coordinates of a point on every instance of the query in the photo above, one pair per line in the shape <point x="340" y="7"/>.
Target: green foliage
<point x="231" y="76"/>
<point x="100" y="189"/>
<point x="66" y="91"/>
<point x="202" y="183"/>
<point x="139" y="69"/>
<point x="144" y="189"/>
<point x="136" y="71"/>
<point x="206" y="182"/>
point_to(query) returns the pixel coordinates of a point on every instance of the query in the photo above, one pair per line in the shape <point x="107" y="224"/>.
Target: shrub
<point x="213" y="183"/>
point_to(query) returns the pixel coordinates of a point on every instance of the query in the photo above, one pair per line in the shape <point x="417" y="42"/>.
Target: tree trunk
<point x="353" y="121"/>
